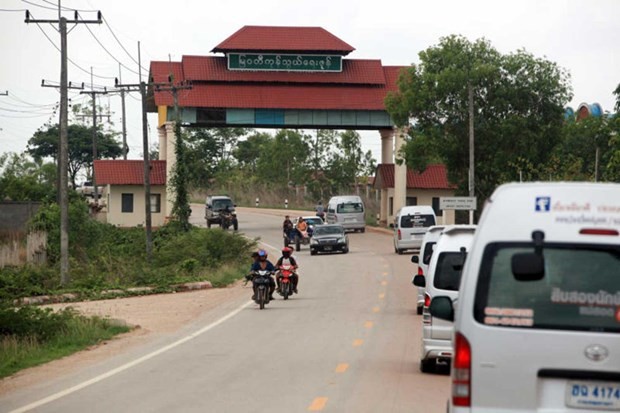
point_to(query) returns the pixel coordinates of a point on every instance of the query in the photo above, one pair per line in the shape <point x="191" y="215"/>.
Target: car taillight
<point x="461" y="372"/>
<point x="426" y="314"/>
<point x="420" y="271"/>
<point x="399" y="235"/>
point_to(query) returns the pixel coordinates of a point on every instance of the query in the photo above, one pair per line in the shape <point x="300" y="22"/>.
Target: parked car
<point x="410" y="225"/>
<point x="443" y="278"/>
<point x="537" y="324"/>
<point x="424" y="258"/>
<point x="329" y="238"/>
<point x="348" y="211"/>
<point x="87" y="189"/>
<point x="214" y="205"/>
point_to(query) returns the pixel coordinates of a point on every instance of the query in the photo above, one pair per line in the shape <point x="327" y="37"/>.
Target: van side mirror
<point x="528" y="266"/>
<point x="419" y="281"/>
<point x="442" y="308"/>
<point x="415" y="259"/>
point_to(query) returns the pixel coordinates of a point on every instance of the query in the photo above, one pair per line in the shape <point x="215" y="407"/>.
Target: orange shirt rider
<point x="302" y="226"/>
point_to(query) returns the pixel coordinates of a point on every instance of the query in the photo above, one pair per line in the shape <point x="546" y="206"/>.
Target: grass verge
<point x="24" y="343"/>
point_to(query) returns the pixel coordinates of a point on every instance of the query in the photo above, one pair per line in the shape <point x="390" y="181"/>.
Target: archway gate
<point x="280" y="77"/>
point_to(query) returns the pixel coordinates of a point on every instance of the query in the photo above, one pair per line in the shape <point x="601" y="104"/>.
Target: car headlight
<point x="313" y="241"/>
<point x="342" y="240"/>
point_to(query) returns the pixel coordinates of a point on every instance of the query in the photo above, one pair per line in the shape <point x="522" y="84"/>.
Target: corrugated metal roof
<point x="283" y="38"/>
<point x="128" y="172"/>
<point x="434" y="177"/>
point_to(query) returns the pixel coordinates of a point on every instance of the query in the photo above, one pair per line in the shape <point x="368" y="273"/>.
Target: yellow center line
<point x="358" y="342"/>
<point x="368" y="324"/>
<point x="381" y="296"/>
<point x="375" y="309"/>
<point x="318" y="404"/>
<point x="342" y="367"/>
<point x="383" y="282"/>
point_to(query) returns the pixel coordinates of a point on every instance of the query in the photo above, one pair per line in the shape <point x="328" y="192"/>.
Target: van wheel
<point x="363" y="230"/>
<point x="208" y="224"/>
<point x="427" y="365"/>
<point x="420" y="310"/>
<point x="400" y="252"/>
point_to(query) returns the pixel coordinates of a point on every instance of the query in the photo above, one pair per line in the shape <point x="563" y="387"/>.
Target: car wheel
<point x="363" y="230"/>
<point x="345" y="250"/>
<point x="400" y="252"/>
<point x="208" y="224"/>
<point x="312" y="252"/>
<point x="420" y="308"/>
<point x="427" y="365"/>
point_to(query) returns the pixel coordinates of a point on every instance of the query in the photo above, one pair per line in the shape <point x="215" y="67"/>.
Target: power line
<point x="66" y="8"/>
<point x="119" y="42"/>
<point x="9" y="10"/>
<point x="108" y="52"/>
<point x="40" y="5"/>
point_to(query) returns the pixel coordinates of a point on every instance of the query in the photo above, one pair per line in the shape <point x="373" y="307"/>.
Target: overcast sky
<point x="581" y="36"/>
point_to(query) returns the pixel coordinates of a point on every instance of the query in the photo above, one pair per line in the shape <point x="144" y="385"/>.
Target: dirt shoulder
<point x="153" y="315"/>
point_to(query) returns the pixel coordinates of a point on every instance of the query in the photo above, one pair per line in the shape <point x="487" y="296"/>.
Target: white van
<point x="410" y="225"/>
<point x="442" y="279"/>
<point x="424" y="258"/>
<point x="347" y="210"/>
<point x="537" y="325"/>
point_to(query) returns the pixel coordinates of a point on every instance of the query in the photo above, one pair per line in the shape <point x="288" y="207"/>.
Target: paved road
<point x="348" y="342"/>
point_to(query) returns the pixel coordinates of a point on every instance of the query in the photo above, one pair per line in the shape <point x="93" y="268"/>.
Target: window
<point x="411" y="200"/>
<point x="155" y="203"/>
<point x="448" y="271"/>
<point x="428" y="252"/>
<point x="579" y="290"/>
<point x="438" y="211"/>
<point x="126" y="202"/>
<point x="350" y="208"/>
<point x="416" y="221"/>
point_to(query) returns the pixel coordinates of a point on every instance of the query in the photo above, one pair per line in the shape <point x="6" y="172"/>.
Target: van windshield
<point x="350" y="208"/>
<point x="580" y="289"/>
<point x="448" y="271"/>
<point x="417" y="221"/>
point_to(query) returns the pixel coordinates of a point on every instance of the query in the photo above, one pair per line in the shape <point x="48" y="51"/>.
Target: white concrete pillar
<point x="387" y="145"/>
<point x="171" y="160"/>
<point x="400" y="171"/>
<point x="161" y="133"/>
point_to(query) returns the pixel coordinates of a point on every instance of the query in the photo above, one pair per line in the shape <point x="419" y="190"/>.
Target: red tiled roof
<point x="282" y="39"/>
<point x="214" y="69"/>
<point x="277" y="96"/>
<point x="434" y="177"/>
<point x="122" y="172"/>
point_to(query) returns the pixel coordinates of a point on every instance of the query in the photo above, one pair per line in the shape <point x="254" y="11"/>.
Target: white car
<point x="537" y="325"/>
<point x="442" y="279"/>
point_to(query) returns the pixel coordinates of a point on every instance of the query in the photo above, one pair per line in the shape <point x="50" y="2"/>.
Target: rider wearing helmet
<point x="264" y="264"/>
<point x="287" y="259"/>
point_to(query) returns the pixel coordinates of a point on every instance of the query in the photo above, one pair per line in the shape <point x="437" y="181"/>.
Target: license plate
<point x="327" y="248"/>
<point x="593" y="395"/>
<point x="415" y="236"/>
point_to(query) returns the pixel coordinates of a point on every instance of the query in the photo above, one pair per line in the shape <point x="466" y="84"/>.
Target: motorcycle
<point x="228" y="218"/>
<point x="260" y="282"/>
<point x="284" y="275"/>
<point x="297" y="237"/>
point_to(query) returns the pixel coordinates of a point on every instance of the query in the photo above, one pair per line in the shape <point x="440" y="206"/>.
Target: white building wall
<point x="115" y="216"/>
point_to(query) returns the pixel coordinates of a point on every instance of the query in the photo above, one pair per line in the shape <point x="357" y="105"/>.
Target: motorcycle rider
<point x="320" y="210"/>
<point x="264" y="264"/>
<point x="287" y="226"/>
<point x="287" y="259"/>
<point x="302" y="226"/>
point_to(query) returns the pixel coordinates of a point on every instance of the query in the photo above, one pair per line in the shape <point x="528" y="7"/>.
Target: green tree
<point x="24" y="179"/>
<point x="248" y="151"/>
<point x="44" y="144"/>
<point x="518" y="107"/>
<point x="284" y="160"/>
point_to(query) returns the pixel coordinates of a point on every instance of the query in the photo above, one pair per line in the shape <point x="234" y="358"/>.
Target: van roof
<point x="459" y="229"/>
<point x="414" y="208"/>
<point x="562" y="210"/>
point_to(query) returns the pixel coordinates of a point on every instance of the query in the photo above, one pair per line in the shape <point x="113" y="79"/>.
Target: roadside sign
<point x="458" y="202"/>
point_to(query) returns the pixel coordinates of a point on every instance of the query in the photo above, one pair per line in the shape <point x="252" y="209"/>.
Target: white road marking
<point x="270" y="246"/>
<point x="129" y="365"/>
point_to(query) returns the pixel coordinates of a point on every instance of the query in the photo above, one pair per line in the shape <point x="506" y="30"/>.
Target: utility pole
<point x="125" y="147"/>
<point x="80" y="86"/>
<point x="93" y="94"/>
<point x="470" y="91"/>
<point x="64" y="146"/>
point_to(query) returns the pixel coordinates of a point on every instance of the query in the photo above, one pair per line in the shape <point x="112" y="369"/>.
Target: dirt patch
<point x="151" y="314"/>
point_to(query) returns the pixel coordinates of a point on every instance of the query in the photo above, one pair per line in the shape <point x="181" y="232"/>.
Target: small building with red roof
<point x="423" y="188"/>
<point x="124" y="194"/>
